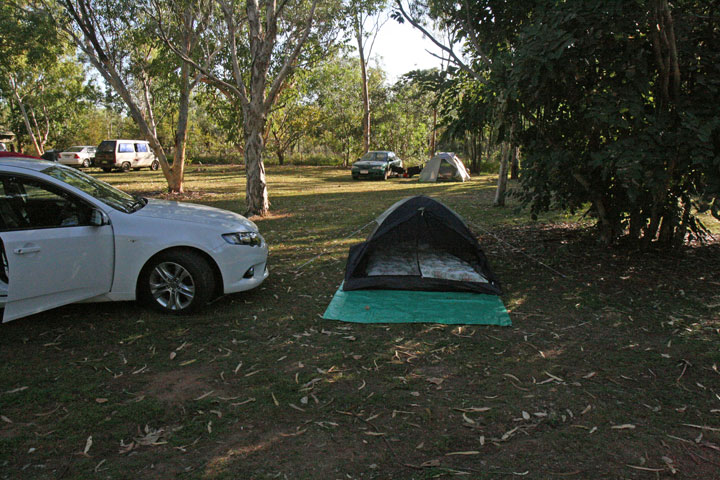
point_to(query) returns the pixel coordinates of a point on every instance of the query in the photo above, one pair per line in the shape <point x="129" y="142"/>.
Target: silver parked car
<point x="78" y="156"/>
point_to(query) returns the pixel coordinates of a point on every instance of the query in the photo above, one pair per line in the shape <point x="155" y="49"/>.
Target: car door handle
<point x="24" y="250"/>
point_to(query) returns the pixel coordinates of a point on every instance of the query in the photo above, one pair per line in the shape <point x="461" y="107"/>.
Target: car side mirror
<point x="98" y="218"/>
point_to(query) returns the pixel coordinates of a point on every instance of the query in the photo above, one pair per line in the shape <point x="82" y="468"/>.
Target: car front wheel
<point x="154" y="165"/>
<point x="177" y="282"/>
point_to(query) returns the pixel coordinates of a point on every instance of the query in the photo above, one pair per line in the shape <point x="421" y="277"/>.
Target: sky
<point x="401" y="48"/>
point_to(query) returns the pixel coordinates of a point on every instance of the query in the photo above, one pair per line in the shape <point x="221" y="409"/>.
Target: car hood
<point x="369" y="163"/>
<point x="194" y="213"/>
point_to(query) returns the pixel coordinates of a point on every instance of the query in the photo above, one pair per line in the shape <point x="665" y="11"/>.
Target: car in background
<point x="67" y="237"/>
<point x="78" y="156"/>
<point x="125" y="154"/>
<point x="378" y="165"/>
<point x="51" y="155"/>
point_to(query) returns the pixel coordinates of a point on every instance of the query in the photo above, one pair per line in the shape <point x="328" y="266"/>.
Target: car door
<point x="55" y="256"/>
<point x="143" y="154"/>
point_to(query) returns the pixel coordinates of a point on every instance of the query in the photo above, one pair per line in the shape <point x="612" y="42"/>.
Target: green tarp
<point x="404" y="306"/>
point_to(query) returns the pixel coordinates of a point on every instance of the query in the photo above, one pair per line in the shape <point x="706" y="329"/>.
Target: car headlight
<point x="243" y="238"/>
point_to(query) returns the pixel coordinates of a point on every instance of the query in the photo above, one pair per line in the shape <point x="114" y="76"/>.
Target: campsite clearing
<point x="610" y="370"/>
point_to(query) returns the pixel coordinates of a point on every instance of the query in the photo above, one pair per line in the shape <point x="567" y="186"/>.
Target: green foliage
<point x="43" y="79"/>
<point x="614" y="104"/>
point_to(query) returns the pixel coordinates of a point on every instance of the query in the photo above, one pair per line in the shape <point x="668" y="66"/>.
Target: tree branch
<point x="443" y="47"/>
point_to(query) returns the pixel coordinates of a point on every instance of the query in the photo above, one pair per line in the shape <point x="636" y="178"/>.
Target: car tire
<point x="154" y="165"/>
<point x="86" y="163"/>
<point x="107" y="170"/>
<point x="176" y="282"/>
<point x="125" y="166"/>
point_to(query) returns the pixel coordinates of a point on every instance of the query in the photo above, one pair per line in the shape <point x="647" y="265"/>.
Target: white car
<point x="78" y="156"/>
<point x="67" y="237"/>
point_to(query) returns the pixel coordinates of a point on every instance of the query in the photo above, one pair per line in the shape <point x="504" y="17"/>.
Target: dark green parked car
<point x="380" y="164"/>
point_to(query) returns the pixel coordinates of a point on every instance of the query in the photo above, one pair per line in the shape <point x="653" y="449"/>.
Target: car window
<point x="141" y="147"/>
<point x="125" y="148"/>
<point x="107" y="194"/>
<point x="31" y="204"/>
<point x="74" y="149"/>
<point x="107" y="146"/>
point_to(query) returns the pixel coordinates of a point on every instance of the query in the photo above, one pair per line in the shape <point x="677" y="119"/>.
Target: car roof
<point x="124" y="140"/>
<point x="11" y="159"/>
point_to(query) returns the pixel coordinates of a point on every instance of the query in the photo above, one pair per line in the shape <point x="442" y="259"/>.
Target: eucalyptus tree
<point x="334" y="91"/>
<point x="43" y="86"/>
<point x="365" y="18"/>
<point x="265" y="42"/>
<point x="478" y="46"/>
<point x="119" y="40"/>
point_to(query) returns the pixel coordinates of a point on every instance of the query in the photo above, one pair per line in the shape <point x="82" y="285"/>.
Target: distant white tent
<point x="444" y="166"/>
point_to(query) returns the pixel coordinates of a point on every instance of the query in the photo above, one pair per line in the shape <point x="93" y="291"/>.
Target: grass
<point x="610" y="371"/>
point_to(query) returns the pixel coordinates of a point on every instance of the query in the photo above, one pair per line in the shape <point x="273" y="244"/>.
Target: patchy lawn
<point x="611" y="369"/>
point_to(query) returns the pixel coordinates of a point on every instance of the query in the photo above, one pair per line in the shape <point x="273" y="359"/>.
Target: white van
<point x="124" y="155"/>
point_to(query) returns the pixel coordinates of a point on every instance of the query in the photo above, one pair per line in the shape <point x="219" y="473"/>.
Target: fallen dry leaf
<point x="88" y="444"/>
<point x="469" y="452"/>
<point x="16" y="390"/>
<point x="473" y="409"/>
<point x="101" y="400"/>
<point x="625" y="426"/>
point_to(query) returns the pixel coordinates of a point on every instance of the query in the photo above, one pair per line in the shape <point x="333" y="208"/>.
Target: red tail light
<point x="77" y="156"/>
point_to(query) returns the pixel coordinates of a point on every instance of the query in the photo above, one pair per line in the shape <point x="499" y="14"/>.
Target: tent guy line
<point x="516" y="249"/>
<point x="324" y="251"/>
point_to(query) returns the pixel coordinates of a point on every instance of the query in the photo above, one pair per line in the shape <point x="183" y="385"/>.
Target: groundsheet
<point x="404" y="306"/>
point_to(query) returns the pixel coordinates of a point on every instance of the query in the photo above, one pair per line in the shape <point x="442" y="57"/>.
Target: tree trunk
<point x="503" y="173"/>
<point x="433" y="134"/>
<point x="502" y="177"/>
<point x="365" y="92"/>
<point x="175" y="181"/>
<point x="515" y="167"/>
<point x="26" y="119"/>
<point x="256" y="193"/>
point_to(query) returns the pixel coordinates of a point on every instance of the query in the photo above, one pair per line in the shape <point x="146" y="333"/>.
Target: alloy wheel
<point x="172" y="286"/>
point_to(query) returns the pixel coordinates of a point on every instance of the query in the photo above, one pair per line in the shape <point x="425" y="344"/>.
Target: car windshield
<point x="107" y="146"/>
<point x="107" y="194"/>
<point x="74" y="149"/>
<point x="375" y="157"/>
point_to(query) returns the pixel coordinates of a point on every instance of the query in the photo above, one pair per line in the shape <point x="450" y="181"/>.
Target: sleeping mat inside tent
<point x="415" y="306"/>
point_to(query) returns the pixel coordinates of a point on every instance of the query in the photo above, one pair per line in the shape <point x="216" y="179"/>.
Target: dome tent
<point x="420" y="244"/>
<point x="444" y="166"/>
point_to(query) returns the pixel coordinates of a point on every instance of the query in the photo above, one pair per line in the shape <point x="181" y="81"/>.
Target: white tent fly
<point x="444" y="166"/>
